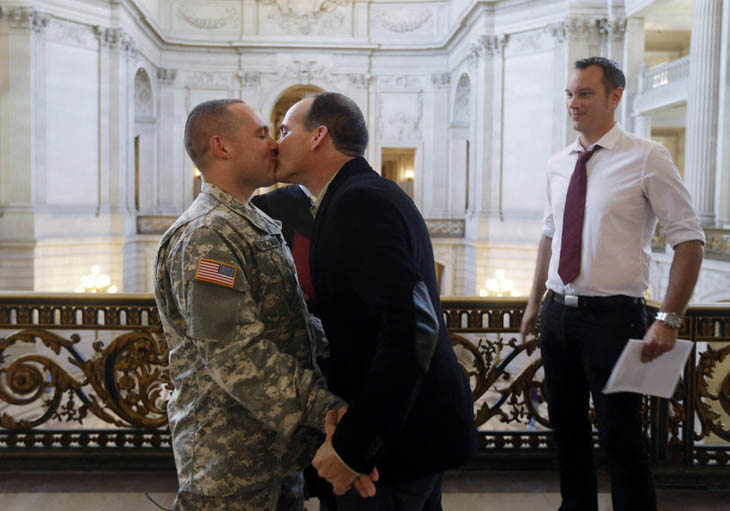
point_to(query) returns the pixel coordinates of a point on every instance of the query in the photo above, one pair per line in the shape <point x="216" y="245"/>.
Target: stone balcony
<point x="662" y="86"/>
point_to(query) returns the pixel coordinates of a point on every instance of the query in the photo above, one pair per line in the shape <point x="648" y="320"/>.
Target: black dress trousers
<point x="579" y="349"/>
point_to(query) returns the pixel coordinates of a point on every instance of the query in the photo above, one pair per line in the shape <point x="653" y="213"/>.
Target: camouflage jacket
<point x="249" y="401"/>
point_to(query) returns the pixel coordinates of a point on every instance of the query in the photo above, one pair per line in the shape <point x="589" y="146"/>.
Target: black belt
<point x="595" y="301"/>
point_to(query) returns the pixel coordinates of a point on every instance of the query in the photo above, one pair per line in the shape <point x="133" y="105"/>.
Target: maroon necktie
<point x="575" y="206"/>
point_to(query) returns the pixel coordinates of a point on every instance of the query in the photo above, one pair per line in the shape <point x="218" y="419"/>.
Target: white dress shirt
<point x="631" y="182"/>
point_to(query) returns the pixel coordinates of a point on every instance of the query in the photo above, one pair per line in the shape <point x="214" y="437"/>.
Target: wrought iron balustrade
<point x="83" y="382"/>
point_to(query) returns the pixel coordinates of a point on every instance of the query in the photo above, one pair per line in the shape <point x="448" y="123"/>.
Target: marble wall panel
<point x="400" y="117"/>
<point x="527" y="131"/>
<point x="72" y="121"/>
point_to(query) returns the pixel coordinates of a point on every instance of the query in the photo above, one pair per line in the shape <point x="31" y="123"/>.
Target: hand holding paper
<point x="657" y="377"/>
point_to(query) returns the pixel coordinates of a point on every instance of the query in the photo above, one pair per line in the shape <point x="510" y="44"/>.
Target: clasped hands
<point x="330" y="467"/>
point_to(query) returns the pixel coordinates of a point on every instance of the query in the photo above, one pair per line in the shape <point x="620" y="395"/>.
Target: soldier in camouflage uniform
<point x="249" y="403"/>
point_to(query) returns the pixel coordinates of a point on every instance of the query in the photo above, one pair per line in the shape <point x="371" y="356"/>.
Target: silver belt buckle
<point x="571" y="301"/>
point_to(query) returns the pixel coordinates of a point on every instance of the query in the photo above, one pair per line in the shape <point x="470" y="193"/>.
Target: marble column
<point x="22" y="140"/>
<point x="702" y="107"/>
<point x="433" y="182"/>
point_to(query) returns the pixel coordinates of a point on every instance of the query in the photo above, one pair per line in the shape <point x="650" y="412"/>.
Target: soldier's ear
<point x="217" y="147"/>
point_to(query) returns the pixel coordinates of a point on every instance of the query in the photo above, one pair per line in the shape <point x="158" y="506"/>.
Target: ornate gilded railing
<point x="83" y="382"/>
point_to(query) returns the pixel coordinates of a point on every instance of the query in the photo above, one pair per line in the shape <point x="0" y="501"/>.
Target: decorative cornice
<point x="572" y="27"/>
<point x="26" y="18"/>
<point x="615" y="27"/>
<point x="441" y="80"/>
<point x="446" y="228"/>
<point x="486" y="46"/>
<point x="166" y="76"/>
<point x="115" y="39"/>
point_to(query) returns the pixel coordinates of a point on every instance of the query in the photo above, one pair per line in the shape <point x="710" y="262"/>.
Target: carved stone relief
<point x="461" y="100"/>
<point x="71" y="33"/>
<point x="616" y="27"/>
<point x="211" y="17"/>
<point x="249" y="79"/>
<point x="207" y="80"/>
<point x="486" y="46"/>
<point x="115" y="39"/>
<point x="305" y="72"/>
<point x="304" y="16"/>
<point x="399" y="116"/>
<point x="400" y="82"/>
<point x="143" y="105"/>
<point x="359" y="80"/>
<point x="403" y="20"/>
<point x="166" y="76"/>
<point x="573" y="28"/>
<point x="532" y="41"/>
<point x="26" y="18"/>
<point x="441" y="80"/>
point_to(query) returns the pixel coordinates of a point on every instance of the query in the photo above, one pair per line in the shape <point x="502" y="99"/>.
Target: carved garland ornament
<point x="305" y="15"/>
<point x="229" y="15"/>
<point x="403" y="24"/>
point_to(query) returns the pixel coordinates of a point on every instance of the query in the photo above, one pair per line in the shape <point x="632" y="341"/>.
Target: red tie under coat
<point x="573" y="216"/>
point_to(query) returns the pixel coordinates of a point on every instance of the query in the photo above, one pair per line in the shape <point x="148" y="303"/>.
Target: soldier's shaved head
<point x="207" y="120"/>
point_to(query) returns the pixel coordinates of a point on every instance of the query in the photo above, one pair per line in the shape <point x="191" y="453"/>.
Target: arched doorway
<point x="286" y="100"/>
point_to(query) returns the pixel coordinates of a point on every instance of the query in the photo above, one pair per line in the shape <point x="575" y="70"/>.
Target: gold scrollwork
<point x="488" y="365"/>
<point x="710" y="420"/>
<point x="128" y="380"/>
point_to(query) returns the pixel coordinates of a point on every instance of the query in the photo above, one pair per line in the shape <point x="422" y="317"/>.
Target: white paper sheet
<point x="658" y="377"/>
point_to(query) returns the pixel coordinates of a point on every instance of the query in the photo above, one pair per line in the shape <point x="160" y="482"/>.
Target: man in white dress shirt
<point x="604" y="195"/>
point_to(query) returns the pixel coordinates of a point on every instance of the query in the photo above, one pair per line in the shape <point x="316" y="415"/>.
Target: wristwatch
<point x="670" y="319"/>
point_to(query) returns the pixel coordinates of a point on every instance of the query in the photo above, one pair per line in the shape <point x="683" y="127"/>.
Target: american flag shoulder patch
<point x="216" y="272"/>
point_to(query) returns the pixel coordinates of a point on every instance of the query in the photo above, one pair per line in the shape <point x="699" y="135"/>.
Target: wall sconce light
<point x="410" y="175"/>
<point x="96" y="282"/>
<point x="196" y="173"/>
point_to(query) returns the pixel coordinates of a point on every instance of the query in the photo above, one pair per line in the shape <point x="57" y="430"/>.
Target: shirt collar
<point x="607" y="141"/>
<point x="316" y="201"/>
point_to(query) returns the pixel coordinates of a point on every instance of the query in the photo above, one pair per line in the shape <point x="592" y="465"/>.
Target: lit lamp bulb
<point x="196" y="172"/>
<point x="410" y="175"/>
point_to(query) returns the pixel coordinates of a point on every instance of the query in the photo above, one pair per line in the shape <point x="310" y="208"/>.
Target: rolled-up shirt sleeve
<point x="669" y="198"/>
<point x="548" y="220"/>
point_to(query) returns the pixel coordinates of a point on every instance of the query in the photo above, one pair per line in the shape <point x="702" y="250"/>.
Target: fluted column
<point x="168" y="192"/>
<point x="702" y="106"/>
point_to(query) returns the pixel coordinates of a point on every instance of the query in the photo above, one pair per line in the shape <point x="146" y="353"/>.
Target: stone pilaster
<point x="116" y="52"/>
<point x="575" y="38"/>
<point x="22" y="140"/>
<point x="167" y="201"/>
<point x="702" y="107"/>
<point x="633" y="54"/>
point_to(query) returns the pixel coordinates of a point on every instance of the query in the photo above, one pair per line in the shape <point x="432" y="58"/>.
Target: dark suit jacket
<point x="293" y="208"/>
<point x="411" y="409"/>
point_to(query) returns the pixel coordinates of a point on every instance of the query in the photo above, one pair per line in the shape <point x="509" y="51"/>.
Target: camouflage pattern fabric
<point x="249" y="402"/>
<point x="290" y="498"/>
